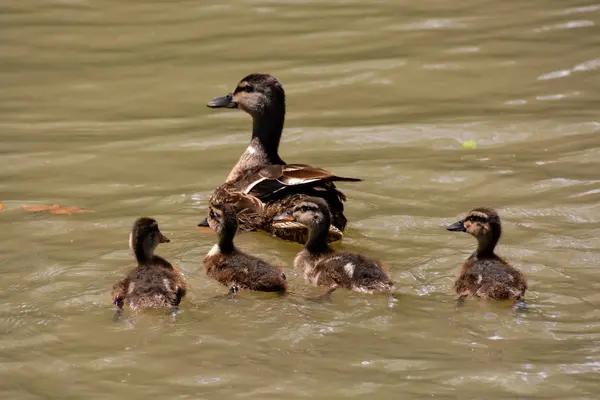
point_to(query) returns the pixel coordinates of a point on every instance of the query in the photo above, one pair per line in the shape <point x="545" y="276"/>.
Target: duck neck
<point x="266" y="134"/>
<point x="264" y="145"/>
<point x="143" y="250"/>
<point x="317" y="238"/>
<point x="486" y="246"/>
<point x="226" y="239"/>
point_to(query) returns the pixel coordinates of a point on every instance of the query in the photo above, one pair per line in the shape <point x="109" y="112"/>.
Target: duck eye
<point x="246" y="88"/>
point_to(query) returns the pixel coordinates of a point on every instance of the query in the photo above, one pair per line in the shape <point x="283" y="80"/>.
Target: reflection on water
<point x="102" y="108"/>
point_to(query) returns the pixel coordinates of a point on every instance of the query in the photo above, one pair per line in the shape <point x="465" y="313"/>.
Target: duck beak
<point x="223" y="102"/>
<point x="204" y="223"/>
<point x="163" y="238"/>
<point x="457" y="226"/>
<point x="284" y="217"/>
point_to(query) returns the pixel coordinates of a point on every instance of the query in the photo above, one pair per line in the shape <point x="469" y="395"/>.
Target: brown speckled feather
<point x="152" y="285"/>
<point x="263" y="192"/>
<point x="244" y="271"/>
<point x="343" y="269"/>
<point x="491" y="278"/>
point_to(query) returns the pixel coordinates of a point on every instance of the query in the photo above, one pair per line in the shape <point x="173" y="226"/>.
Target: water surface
<point x="102" y="107"/>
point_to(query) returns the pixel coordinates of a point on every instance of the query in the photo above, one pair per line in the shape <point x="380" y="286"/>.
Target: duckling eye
<point x="211" y="214"/>
<point x="474" y="218"/>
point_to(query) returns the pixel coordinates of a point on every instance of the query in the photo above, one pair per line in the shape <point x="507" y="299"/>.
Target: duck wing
<point x="272" y="182"/>
<point x="262" y="192"/>
<point x="279" y="187"/>
<point x="249" y="209"/>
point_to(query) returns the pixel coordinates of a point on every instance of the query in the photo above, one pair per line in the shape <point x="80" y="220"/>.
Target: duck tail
<point x="345" y="179"/>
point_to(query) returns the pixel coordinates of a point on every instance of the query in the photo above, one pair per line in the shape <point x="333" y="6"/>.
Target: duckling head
<point x="145" y="237"/>
<point x="483" y="223"/>
<point x="255" y="94"/>
<point x="310" y="212"/>
<point x="222" y="218"/>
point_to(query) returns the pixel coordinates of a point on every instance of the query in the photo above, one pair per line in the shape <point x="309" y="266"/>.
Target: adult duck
<point x="261" y="185"/>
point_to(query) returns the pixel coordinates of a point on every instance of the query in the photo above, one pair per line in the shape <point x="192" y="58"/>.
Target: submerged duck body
<point x="323" y="266"/>
<point x="154" y="282"/>
<point x="234" y="268"/>
<point x="261" y="185"/>
<point x="484" y="274"/>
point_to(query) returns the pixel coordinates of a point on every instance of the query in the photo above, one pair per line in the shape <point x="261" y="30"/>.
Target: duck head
<point x="310" y="212"/>
<point x="256" y="94"/>
<point x="221" y="217"/>
<point x="223" y="220"/>
<point x="484" y="224"/>
<point x="145" y="237"/>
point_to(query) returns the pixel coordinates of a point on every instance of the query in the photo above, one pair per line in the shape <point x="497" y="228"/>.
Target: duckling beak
<point x="204" y="223"/>
<point x="223" y="102"/>
<point x="284" y="217"/>
<point x="457" y="226"/>
<point x="163" y="238"/>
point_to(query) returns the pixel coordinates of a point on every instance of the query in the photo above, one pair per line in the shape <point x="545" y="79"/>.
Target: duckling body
<point x="484" y="274"/>
<point x="154" y="282"/>
<point x="262" y="174"/>
<point x="234" y="268"/>
<point x="343" y="269"/>
<point x="322" y="265"/>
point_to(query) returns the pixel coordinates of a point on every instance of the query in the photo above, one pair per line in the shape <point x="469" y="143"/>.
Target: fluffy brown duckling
<point x="232" y="267"/>
<point x="262" y="174"/>
<point x="154" y="282"/>
<point x="485" y="274"/>
<point x="324" y="266"/>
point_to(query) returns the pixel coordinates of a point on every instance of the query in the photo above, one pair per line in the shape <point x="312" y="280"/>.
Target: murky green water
<point x="102" y="107"/>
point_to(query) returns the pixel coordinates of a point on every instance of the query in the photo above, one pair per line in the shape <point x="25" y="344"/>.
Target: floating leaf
<point x="69" y="210"/>
<point x="56" y="209"/>
<point x="1" y="207"/>
<point x="39" y="208"/>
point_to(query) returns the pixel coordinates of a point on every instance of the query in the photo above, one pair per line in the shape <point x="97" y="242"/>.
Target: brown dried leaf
<point x="39" y="208"/>
<point x="69" y="210"/>
<point x="56" y="209"/>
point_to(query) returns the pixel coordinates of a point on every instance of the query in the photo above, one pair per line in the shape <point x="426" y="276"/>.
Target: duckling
<point x="324" y="266"/>
<point x="261" y="173"/>
<point x="232" y="267"/>
<point x="485" y="274"/>
<point x="154" y="282"/>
